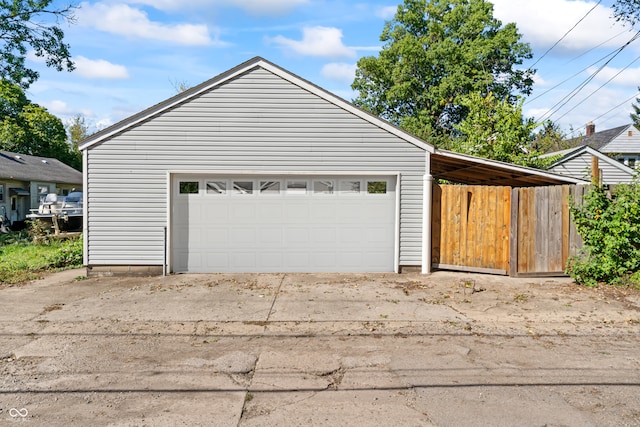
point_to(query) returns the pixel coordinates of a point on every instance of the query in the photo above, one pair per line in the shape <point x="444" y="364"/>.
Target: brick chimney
<point x="591" y="128"/>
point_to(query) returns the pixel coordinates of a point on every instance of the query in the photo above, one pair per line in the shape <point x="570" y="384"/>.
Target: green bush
<point x="610" y="228"/>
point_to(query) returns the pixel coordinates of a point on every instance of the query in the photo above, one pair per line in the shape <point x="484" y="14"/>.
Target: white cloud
<point x="339" y="71"/>
<point x="544" y="22"/>
<point x="386" y="12"/>
<point x="626" y="77"/>
<point x="317" y="41"/>
<point x="99" y="69"/>
<point x="57" y="107"/>
<point x="134" y="23"/>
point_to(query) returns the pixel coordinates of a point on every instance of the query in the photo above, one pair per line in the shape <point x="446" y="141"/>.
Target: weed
<point x="21" y="259"/>
<point x="521" y="297"/>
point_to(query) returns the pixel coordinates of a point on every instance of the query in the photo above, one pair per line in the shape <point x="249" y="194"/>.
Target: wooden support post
<point x="595" y="171"/>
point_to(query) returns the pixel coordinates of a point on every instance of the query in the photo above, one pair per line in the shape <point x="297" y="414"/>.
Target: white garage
<point x="259" y="170"/>
<point x="284" y="223"/>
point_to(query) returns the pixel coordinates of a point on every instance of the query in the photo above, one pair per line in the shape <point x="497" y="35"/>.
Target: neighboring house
<point x="617" y="150"/>
<point x="259" y="170"/>
<point x="24" y="180"/>
<point x="576" y="162"/>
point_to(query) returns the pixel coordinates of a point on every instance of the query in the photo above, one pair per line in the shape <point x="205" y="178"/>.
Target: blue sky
<point x="131" y="54"/>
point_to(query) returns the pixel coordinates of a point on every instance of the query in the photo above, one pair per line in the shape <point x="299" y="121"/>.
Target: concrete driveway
<point x="447" y="349"/>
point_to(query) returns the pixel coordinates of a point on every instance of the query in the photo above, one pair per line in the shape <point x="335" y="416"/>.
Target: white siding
<point x="256" y="122"/>
<point x="624" y="143"/>
<point x="580" y="167"/>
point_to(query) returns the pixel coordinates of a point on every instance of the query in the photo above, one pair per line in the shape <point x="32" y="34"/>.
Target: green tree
<point x="627" y="10"/>
<point x="35" y="25"/>
<point x="77" y="130"/>
<point x="550" y="138"/>
<point x="436" y="52"/>
<point x="30" y="129"/>
<point x="635" y="116"/>
<point x="495" y="129"/>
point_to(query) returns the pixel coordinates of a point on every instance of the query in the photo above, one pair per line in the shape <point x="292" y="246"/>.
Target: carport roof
<point x="464" y="169"/>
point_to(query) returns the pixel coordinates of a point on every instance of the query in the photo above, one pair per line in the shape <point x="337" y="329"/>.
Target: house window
<point x="350" y="186"/>
<point x="189" y="187"/>
<point x="270" y="187"/>
<point x="216" y="187"/>
<point x="1" y="192"/>
<point x="243" y="187"/>
<point x="377" y="187"/>
<point x="297" y="187"/>
<point x="323" y="187"/>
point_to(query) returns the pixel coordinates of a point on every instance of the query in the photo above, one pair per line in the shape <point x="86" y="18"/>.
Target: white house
<point x="577" y="162"/>
<point x="258" y="170"/>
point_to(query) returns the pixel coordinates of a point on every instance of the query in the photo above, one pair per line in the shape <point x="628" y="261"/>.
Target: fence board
<point x="471" y="228"/>
<point x="521" y="231"/>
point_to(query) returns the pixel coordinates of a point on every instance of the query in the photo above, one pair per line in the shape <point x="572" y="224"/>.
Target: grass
<point x="21" y="259"/>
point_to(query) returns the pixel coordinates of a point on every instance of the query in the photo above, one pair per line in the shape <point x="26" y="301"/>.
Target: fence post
<point x="513" y="233"/>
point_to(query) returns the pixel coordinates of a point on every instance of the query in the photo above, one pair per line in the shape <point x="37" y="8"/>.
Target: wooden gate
<point x="500" y="230"/>
<point x="471" y="227"/>
<point x="544" y="237"/>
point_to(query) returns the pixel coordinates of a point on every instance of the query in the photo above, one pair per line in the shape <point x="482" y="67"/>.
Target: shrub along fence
<point x="504" y="230"/>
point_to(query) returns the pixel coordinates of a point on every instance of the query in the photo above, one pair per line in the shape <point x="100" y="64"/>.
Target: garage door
<point x="283" y="223"/>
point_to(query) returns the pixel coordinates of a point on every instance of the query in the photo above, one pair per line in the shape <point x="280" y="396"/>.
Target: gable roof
<point x="219" y="80"/>
<point x="600" y="139"/>
<point x="456" y="167"/>
<point x="22" y="167"/>
<point x="572" y="153"/>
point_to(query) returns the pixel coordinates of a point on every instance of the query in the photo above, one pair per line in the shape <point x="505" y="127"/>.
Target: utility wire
<point x="567" y="33"/>
<point x="569" y="78"/>
<point x="553" y="110"/>
<point x="616" y="107"/>
<point x="596" y="47"/>
<point x="595" y="91"/>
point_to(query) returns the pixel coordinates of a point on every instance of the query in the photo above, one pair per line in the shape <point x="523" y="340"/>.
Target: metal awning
<point x="18" y="192"/>
<point x="465" y="169"/>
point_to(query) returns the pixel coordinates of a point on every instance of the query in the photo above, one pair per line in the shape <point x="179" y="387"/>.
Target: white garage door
<point x="257" y="223"/>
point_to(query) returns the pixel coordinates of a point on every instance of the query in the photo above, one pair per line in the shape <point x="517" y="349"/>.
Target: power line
<point x="595" y="91"/>
<point x="569" y="78"/>
<point x="596" y="47"/>
<point x="553" y="110"/>
<point x="567" y="33"/>
<point x="616" y="107"/>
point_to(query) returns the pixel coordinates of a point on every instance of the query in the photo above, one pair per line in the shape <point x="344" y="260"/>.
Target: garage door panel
<point x="217" y="235"/>
<point x="243" y="237"/>
<point x="329" y="227"/>
<point x="270" y="261"/>
<point x="243" y="210"/>
<point x="217" y="261"/>
<point x="271" y="236"/>
<point x="243" y="261"/>
<point x="270" y="210"/>
<point x="297" y="236"/>
<point x="323" y="236"/>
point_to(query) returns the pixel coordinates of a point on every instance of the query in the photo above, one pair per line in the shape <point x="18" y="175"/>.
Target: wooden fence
<point x="504" y="230"/>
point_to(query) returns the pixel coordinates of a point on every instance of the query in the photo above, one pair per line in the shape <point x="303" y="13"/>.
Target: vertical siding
<point x="580" y="167"/>
<point x="256" y="122"/>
